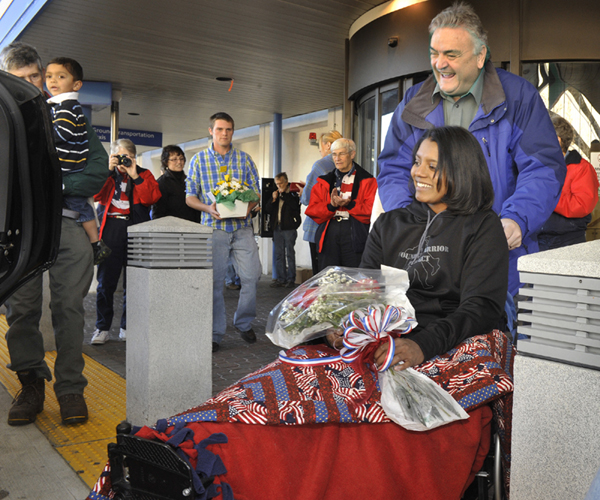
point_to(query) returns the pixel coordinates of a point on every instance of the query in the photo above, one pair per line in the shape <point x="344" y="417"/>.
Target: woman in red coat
<point x="125" y="199"/>
<point x="341" y="203"/>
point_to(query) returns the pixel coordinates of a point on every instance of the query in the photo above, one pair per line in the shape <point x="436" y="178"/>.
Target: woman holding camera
<point x="125" y="199"/>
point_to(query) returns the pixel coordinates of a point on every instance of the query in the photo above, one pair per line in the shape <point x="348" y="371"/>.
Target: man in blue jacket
<point x="503" y="111"/>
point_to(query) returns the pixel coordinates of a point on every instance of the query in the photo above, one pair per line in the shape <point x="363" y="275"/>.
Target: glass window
<point x="373" y="113"/>
<point x="571" y="90"/>
<point x="365" y="134"/>
<point x="389" y="102"/>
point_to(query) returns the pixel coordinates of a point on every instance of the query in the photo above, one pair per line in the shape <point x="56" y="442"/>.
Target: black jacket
<point x="290" y="211"/>
<point x="172" y="202"/>
<point x="457" y="266"/>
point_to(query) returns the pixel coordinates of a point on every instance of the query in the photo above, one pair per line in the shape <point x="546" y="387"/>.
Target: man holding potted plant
<point x="232" y="237"/>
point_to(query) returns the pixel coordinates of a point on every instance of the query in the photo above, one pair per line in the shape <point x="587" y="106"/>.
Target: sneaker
<point x="29" y="401"/>
<point x="123" y="334"/>
<point x="73" y="409"/>
<point x="249" y="335"/>
<point x="233" y="286"/>
<point x="290" y="284"/>
<point x="276" y="284"/>
<point x="101" y="251"/>
<point x="215" y="347"/>
<point x="99" y="337"/>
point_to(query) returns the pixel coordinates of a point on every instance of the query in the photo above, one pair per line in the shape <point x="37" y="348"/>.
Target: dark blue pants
<point x="337" y="247"/>
<point x="114" y="235"/>
<point x="285" y="256"/>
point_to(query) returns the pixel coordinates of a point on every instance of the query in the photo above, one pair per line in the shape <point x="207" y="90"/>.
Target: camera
<point x="124" y="160"/>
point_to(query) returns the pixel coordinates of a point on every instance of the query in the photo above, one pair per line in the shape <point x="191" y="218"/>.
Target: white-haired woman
<point x="125" y="199"/>
<point x="341" y="203"/>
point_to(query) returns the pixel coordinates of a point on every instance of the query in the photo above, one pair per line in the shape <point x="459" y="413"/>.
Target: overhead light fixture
<point x="225" y="79"/>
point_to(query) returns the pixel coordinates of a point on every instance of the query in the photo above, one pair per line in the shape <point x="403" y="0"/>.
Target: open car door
<point x="30" y="185"/>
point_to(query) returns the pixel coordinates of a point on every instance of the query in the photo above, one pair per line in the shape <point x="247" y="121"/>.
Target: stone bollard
<point x="557" y="375"/>
<point x="169" y="318"/>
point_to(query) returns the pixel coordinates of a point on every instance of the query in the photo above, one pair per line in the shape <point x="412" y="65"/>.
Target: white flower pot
<point x="240" y="210"/>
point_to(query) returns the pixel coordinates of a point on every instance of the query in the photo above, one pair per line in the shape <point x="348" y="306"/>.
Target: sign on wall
<point x="138" y="137"/>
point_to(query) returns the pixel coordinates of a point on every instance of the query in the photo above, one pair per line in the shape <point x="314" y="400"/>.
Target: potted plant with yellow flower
<point x="232" y="197"/>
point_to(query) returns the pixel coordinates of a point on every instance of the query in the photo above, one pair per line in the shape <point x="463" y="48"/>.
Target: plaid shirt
<point x="207" y="168"/>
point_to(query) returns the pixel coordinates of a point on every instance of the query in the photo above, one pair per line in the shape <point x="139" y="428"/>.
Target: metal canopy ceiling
<point x="284" y="56"/>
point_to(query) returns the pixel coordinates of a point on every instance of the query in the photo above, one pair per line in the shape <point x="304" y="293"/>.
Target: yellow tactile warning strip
<point x="83" y="446"/>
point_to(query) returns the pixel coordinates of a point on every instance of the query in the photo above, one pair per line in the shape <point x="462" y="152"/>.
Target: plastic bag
<point x="416" y="402"/>
<point x="324" y="302"/>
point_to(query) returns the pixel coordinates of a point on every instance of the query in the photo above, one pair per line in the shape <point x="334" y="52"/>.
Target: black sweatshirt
<point x="457" y="266"/>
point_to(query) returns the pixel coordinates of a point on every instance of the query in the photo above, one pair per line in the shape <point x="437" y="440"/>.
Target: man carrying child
<point x="70" y="279"/>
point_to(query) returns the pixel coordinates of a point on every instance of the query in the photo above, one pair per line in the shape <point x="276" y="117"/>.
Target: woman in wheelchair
<point x="319" y="431"/>
<point x="451" y="243"/>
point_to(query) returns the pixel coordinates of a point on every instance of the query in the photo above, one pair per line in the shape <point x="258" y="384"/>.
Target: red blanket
<point x="327" y="436"/>
<point x="351" y="461"/>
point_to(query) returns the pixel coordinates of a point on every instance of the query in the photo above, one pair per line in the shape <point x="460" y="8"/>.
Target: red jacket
<point x="568" y="223"/>
<point x="580" y="191"/>
<point x="321" y="211"/>
<point x="142" y="192"/>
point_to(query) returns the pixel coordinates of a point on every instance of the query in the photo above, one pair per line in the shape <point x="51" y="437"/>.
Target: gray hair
<point x="347" y="144"/>
<point x="462" y="15"/>
<point x="125" y="144"/>
<point x="18" y="55"/>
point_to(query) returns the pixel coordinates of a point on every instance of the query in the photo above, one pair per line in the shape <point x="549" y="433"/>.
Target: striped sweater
<point x="70" y="136"/>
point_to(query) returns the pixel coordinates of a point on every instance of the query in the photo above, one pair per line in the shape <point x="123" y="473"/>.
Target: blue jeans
<point x="284" y="241"/>
<point x="114" y="235"/>
<point x="231" y="277"/>
<point x="243" y="250"/>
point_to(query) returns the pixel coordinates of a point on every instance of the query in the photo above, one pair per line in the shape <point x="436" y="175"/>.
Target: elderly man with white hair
<point x="341" y="203"/>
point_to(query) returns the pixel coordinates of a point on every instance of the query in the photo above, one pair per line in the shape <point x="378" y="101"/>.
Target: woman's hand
<point x="335" y="338"/>
<point x="407" y="354"/>
<point x="131" y="170"/>
<point x="113" y="161"/>
<point x="337" y="200"/>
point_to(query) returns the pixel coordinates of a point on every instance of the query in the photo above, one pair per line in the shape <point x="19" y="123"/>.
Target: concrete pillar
<point x="555" y="451"/>
<point x="169" y="318"/>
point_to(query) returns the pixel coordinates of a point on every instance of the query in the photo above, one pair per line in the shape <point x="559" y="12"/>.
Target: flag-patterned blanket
<point x="477" y="372"/>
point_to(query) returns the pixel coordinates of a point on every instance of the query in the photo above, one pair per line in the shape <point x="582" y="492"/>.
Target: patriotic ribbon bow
<point x="361" y="329"/>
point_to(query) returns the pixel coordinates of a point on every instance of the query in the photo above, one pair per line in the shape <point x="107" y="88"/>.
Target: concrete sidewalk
<point x="30" y="468"/>
<point x="234" y="359"/>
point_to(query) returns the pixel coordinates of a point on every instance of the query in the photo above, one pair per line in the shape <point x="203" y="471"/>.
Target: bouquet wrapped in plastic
<point x="324" y="302"/>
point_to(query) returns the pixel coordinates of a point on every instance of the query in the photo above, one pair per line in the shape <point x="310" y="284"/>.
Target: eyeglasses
<point x="177" y="159"/>
<point x="339" y="155"/>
